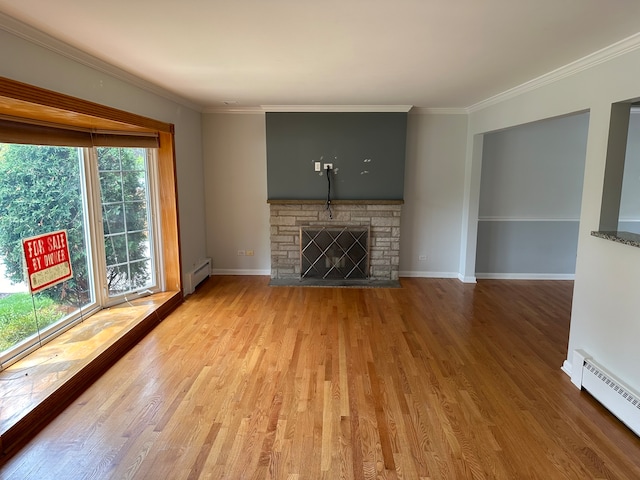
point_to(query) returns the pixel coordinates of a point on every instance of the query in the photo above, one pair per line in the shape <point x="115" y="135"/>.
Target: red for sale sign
<point x="47" y="260"/>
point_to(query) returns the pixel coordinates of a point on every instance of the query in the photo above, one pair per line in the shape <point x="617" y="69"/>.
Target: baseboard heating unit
<point x="201" y="271"/>
<point x="617" y="397"/>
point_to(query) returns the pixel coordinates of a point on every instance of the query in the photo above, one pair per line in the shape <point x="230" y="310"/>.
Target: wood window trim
<point x="22" y="100"/>
<point x="30" y="102"/>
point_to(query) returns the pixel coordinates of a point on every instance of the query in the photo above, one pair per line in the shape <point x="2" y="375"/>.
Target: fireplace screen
<point x="334" y="252"/>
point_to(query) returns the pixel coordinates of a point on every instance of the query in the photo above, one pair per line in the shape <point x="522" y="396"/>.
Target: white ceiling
<point x="426" y="53"/>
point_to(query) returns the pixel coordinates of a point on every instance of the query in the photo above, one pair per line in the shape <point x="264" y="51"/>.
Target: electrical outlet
<point x="241" y="253"/>
<point x="249" y="253"/>
<point x="317" y="166"/>
<point x="329" y="166"/>
<point x="422" y="257"/>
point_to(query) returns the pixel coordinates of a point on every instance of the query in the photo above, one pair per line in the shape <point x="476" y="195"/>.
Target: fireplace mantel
<point x="334" y="202"/>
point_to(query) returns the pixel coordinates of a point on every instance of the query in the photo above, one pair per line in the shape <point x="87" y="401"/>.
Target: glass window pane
<point x="113" y="218"/>
<point x="117" y="279"/>
<point x="40" y="192"/>
<point x="116" y="249"/>
<point x="136" y="213"/>
<point x="132" y="158"/>
<point x="109" y="161"/>
<point x="23" y="317"/>
<point x="111" y="187"/>
<point x="127" y="277"/>
<point x="138" y="245"/>
<point x="126" y="216"/>
<point x="140" y="273"/>
<point x="133" y="186"/>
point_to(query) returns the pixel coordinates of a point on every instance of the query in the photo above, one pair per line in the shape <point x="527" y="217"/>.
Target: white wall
<point x="604" y="319"/>
<point x="535" y="171"/>
<point x="29" y="63"/>
<point x="433" y="194"/>
<point x="235" y="176"/>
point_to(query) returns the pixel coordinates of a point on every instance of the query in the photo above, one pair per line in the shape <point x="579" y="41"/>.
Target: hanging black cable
<point x="329" y="192"/>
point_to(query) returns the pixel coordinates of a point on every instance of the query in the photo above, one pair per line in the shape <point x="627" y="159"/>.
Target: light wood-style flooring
<point x="434" y="380"/>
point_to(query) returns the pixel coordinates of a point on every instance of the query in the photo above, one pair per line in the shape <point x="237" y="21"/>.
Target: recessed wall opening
<point x="619" y="211"/>
<point x="530" y="199"/>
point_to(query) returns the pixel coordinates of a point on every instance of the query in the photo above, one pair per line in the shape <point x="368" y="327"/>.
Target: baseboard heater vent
<point x="197" y="275"/>
<point x="617" y="397"/>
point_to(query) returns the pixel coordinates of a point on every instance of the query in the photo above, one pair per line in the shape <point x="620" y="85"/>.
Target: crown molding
<point x="235" y="110"/>
<point x="336" y="108"/>
<point x="617" y="49"/>
<point x="439" y="111"/>
<point x="35" y="36"/>
<point x="320" y="109"/>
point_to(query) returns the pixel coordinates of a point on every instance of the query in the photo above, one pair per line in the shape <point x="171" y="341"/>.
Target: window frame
<point x="153" y="198"/>
<point x="29" y="102"/>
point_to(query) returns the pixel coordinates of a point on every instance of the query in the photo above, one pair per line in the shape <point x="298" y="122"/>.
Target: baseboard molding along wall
<point x="525" y="276"/>
<point x="233" y="271"/>
<point x="420" y="274"/>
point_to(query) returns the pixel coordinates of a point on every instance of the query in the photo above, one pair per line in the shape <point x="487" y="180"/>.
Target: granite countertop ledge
<point x="333" y="202"/>
<point x="627" y="238"/>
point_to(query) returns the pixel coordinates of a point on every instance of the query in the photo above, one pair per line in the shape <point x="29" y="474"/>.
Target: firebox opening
<point x="334" y="252"/>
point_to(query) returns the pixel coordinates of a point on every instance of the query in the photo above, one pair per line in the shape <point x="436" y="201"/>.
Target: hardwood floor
<point x="434" y="380"/>
<point x="39" y="386"/>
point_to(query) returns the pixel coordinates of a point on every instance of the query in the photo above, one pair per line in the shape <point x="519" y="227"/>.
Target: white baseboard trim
<point x="425" y="274"/>
<point x="567" y="367"/>
<point x="233" y="271"/>
<point x="419" y="274"/>
<point x="469" y="279"/>
<point x="520" y="219"/>
<point x="525" y="276"/>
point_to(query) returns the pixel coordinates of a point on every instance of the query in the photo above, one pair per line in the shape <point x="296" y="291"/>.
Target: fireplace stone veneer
<point x="381" y="216"/>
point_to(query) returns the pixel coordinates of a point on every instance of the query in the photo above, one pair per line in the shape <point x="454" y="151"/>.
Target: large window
<point x="122" y="244"/>
<point x="104" y="197"/>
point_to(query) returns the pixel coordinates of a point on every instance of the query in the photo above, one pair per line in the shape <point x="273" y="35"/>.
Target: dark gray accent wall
<point x="530" y="247"/>
<point x="367" y="151"/>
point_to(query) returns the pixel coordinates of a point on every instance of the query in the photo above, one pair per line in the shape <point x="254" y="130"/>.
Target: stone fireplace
<point x="381" y="217"/>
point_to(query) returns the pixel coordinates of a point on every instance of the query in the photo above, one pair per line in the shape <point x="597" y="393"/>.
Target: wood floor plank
<point x="434" y="380"/>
